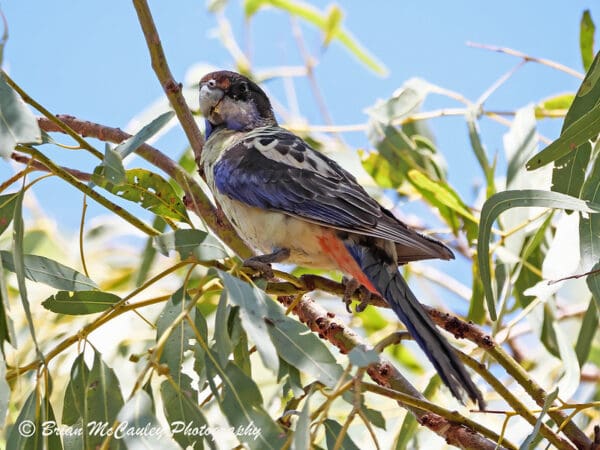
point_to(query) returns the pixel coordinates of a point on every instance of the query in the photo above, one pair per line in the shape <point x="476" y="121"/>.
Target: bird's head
<point x="230" y="100"/>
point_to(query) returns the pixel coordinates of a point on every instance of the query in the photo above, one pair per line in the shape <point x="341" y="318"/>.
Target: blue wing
<point x="274" y="169"/>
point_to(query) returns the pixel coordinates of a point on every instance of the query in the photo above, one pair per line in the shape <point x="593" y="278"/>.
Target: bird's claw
<point x="351" y="286"/>
<point x="262" y="263"/>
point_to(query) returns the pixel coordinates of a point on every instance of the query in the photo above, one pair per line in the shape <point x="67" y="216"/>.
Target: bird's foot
<point x="351" y="285"/>
<point x="262" y="263"/>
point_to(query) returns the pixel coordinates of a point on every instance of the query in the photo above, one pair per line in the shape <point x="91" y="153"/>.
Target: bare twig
<point x="163" y="73"/>
<point x="527" y="58"/>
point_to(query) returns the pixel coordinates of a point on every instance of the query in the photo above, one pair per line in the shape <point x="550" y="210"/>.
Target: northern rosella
<point x="294" y="204"/>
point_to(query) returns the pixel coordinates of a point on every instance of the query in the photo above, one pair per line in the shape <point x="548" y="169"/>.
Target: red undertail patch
<point x="335" y="248"/>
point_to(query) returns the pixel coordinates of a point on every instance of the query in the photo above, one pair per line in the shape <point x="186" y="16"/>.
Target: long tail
<point x="389" y="283"/>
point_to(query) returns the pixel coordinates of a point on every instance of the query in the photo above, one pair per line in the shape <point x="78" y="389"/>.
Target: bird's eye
<point x="211" y="83"/>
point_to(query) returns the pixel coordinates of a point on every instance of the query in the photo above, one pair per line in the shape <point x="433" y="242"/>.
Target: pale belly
<point x="268" y="231"/>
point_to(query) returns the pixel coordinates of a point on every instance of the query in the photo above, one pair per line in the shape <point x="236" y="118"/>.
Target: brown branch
<point x="81" y="176"/>
<point x="163" y="73"/>
<point x="385" y="374"/>
<point x="196" y="199"/>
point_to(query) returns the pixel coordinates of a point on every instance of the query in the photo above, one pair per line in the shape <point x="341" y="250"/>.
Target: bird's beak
<point x="210" y="97"/>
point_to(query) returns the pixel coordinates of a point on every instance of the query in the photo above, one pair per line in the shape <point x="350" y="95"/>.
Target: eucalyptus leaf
<point x="131" y="144"/>
<point x="332" y="431"/>
<point x="190" y="243"/>
<point x="529" y="441"/>
<point x="587" y="29"/>
<point x="80" y="302"/>
<point x="503" y="201"/>
<point x="18" y="125"/>
<point x="7" y="210"/>
<point x="149" y="190"/>
<point x="587" y="332"/>
<point x="50" y="272"/>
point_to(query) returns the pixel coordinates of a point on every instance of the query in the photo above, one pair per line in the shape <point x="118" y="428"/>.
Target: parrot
<point x="293" y="204"/>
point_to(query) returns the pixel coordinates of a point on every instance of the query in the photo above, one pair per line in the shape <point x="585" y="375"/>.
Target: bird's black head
<point x="233" y="101"/>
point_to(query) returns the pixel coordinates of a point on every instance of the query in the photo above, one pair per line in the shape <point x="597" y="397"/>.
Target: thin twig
<point x="527" y="58"/>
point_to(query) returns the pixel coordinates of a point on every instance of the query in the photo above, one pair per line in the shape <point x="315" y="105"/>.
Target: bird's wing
<point x="273" y="169"/>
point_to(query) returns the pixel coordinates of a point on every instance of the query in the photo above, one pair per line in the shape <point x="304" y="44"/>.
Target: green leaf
<point x="80" y="302"/>
<point x="302" y="431"/>
<point x="332" y="431"/>
<point x="581" y="131"/>
<point x="362" y="357"/>
<point x="223" y="343"/>
<point x="480" y="151"/>
<point x="131" y="144"/>
<point x="333" y="23"/>
<point x="587" y="30"/>
<point x="7" y="329"/>
<point x="560" y="102"/>
<point x="18" y="125"/>
<point x="92" y="400"/>
<point x="404" y="101"/>
<point x="520" y="142"/>
<point x="254" y="310"/>
<point x="178" y="341"/>
<point x="319" y="19"/>
<point x="7" y="210"/>
<point x="35" y="412"/>
<point x="587" y="332"/>
<point x="181" y="409"/>
<point x="527" y="443"/>
<point x="303" y="350"/>
<point x="380" y="170"/>
<point x="190" y="243"/>
<point x="589" y="229"/>
<point x="138" y="414"/>
<point x="149" y="252"/>
<point x="4" y="388"/>
<point x="111" y="169"/>
<point x="45" y="270"/>
<point x="149" y="190"/>
<point x="502" y="201"/>
<point x="476" y="304"/>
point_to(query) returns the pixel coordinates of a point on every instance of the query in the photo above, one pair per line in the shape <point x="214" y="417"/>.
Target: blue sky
<point x="89" y="59"/>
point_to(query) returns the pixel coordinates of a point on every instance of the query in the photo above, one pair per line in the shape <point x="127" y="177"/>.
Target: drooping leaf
<point x="7" y="329"/>
<point x="587" y="29"/>
<point x="149" y="190"/>
<point x="589" y="229"/>
<point x="17" y="123"/>
<point x="587" y="332"/>
<point x="333" y="23"/>
<point x="304" y="350"/>
<point x="480" y="151"/>
<point x="302" y="432"/>
<point x="138" y="413"/>
<point x="502" y="201"/>
<point x="254" y="310"/>
<point x="196" y="243"/>
<point x="223" y="344"/>
<point x="182" y="412"/>
<point x="28" y="432"/>
<point x="50" y="272"/>
<point x="476" y="304"/>
<point x="80" y="302"/>
<point x="178" y="341"/>
<point x="332" y="431"/>
<point x="149" y="252"/>
<point x="4" y="387"/>
<point x="7" y="210"/>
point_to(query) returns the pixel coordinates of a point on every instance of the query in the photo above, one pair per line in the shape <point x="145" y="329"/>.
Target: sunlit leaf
<point x="587" y="30"/>
<point x="476" y="304"/>
<point x="557" y="104"/>
<point x="111" y="169"/>
<point x="149" y="190"/>
<point x="333" y="23"/>
<point x="190" y="243"/>
<point x="50" y="272"/>
<point x="17" y="123"/>
<point x="502" y="201"/>
<point x="480" y="151"/>
<point x="319" y="19"/>
<point x="80" y="302"/>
